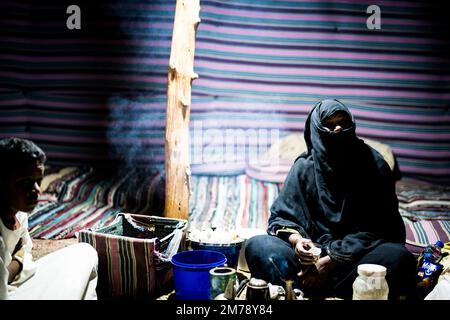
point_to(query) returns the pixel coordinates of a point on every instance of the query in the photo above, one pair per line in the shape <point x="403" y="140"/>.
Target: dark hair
<point x="16" y="153"/>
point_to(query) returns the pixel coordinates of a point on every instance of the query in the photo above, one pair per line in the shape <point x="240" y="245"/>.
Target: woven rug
<point x="42" y="247"/>
<point x="78" y="198"/>
<point x="230" y="202"/>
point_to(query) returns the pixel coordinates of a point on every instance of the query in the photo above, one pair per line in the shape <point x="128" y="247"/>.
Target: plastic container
<point x="432" y="253"/>
<point x="191" y="273"/>
<point x="230" y="250"/>
<point x="371" y="283"/>
<point x="429" y="268"/>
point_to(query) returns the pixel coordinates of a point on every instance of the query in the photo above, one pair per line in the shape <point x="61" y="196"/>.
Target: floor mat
<point x="87" y="198"/>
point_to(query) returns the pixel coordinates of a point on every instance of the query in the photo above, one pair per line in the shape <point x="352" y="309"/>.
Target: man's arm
<point x="16" y="265"/>
<point x="3" y="272"/>
<point x="14" y="268"/>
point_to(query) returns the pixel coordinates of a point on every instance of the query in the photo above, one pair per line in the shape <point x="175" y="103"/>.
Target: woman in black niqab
<point x="338" y="196"/>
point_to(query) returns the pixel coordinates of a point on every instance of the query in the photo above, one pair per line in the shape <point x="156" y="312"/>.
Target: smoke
<point x="136" y="132"/>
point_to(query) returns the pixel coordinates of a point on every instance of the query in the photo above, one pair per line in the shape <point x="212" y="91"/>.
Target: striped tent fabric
<point x="264" y="64"/>
<point x="98" y="95"/>
<point x="89" y="96"/>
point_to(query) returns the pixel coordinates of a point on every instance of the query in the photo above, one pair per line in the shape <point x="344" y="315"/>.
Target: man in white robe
<point x="69" y="273"/>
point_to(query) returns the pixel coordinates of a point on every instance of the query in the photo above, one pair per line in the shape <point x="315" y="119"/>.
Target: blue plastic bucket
<point x="191" y="273"/>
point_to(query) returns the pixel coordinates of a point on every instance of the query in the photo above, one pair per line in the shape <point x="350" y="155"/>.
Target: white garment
<point x="442" y="289"/>
<point x="67" y="274"/>
<point x="9" y="239"/>
<point x="3" y="271"/>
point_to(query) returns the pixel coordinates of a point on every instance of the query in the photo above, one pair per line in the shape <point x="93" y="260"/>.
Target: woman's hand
<point x="324" y="265"/>
<point x="301" y="247"/>
<point x="308" y="277"/>
<point x="315" y="276"/>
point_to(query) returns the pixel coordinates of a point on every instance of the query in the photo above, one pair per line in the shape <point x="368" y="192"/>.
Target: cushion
<point x="421" y="233"/>
<point x="423" y="200"/>
<point x="275" y="164"/>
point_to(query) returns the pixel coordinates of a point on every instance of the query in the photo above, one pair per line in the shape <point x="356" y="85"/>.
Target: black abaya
<point x="341" y="195"/>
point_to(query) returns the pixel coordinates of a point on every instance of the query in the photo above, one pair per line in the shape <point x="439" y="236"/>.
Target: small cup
<point x="316" y="252"/>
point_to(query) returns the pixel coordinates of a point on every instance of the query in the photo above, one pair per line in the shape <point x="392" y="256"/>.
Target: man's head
<point x="21" y="172"/>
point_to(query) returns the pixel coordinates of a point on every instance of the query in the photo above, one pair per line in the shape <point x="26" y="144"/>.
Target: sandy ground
<point x="42" y="247"/>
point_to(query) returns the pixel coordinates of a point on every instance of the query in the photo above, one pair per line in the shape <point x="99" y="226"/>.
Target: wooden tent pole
<point x="181" y="75"/>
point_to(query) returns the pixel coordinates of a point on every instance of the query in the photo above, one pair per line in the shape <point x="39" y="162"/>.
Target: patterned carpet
<point x="83" y="197"/>
<point x="42" y="247"/>
<point x="78" y="198"/>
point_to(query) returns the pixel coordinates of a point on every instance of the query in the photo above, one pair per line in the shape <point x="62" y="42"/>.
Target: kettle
<point x="257" y="290"/>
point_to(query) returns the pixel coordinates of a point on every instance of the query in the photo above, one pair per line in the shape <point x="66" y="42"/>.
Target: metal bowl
<point x="230" y="250"/>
